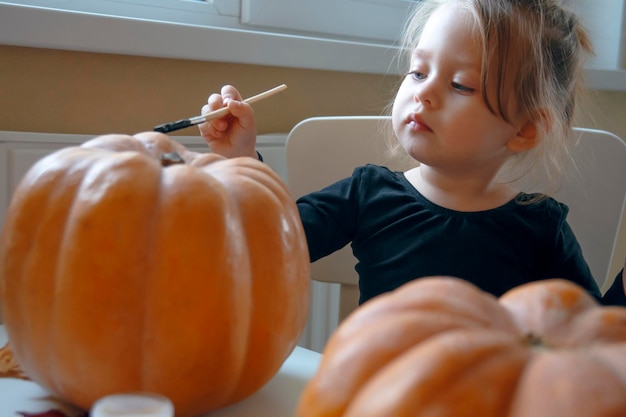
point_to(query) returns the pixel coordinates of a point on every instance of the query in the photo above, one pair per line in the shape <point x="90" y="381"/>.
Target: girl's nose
<point x="426" y="94"/>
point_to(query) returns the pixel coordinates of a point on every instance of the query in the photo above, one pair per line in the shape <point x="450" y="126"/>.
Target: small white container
<point x="133" y="404"/>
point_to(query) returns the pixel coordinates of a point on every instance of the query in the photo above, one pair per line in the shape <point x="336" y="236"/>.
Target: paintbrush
<point x="216" y="114"/>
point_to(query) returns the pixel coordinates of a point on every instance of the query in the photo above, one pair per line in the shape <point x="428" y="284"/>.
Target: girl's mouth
<point x="416" y="123"/>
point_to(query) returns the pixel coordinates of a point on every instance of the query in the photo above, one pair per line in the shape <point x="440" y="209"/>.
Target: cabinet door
<point x="17" y="159"/>
<point x="21" y="159"/>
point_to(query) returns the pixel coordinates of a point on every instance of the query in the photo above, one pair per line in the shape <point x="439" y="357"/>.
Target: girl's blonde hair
<point x="533" y="53"/>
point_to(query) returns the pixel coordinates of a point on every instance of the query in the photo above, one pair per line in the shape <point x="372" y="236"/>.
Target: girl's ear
<point x="526" y="139"/>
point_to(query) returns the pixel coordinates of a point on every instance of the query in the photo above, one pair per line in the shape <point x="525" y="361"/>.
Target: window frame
<point x="51" y="26"/>
<point x="57" y="28"/>
<point x="194" y="12"/>
<point x="373" y="20"/>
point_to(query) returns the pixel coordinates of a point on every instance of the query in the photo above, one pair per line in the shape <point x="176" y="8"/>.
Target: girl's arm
<point x="616" y="294"/>
<point x="235" y="134"/>
<point x="566" y="260"/>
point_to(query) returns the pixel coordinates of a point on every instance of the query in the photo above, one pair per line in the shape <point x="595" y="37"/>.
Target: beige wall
<point x="43" y="90"/>
<point x="71" y="92"/>
<point x="56" y="91"/>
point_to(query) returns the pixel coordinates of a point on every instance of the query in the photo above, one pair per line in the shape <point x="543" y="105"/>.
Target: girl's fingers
<point x="214" y="102"/>
<point x="213" y="129"/>
<point x="229" y="92"/>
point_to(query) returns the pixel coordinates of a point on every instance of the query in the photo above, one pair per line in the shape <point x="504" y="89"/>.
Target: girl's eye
<point x="416" y="75"/>
<point x="462" y="88"/>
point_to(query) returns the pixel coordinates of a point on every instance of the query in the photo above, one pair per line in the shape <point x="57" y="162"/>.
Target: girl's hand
<point x="235" y="134"/>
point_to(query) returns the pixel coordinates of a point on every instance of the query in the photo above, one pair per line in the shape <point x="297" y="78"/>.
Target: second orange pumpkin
<point x="441" y="347"/>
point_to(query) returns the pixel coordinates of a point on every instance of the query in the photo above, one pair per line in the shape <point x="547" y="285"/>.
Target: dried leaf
<point x="9" y="368"/>
<point x="49" y="413"/>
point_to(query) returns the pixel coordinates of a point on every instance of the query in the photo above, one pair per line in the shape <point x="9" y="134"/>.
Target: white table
<point x="276" y="399"/>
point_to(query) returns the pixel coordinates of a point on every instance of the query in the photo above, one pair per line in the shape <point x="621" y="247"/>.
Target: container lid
<point x="133" y="404"/>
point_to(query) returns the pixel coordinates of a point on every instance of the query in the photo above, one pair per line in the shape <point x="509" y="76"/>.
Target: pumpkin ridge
<point x="600" y="325"/>
<point x="505" y="364"/>
<point x="55" y="178"/>
<point x="382" y="341"/>
<point x="539" y="307"/>
<point x="69" y="207"/>
<point x="108" y="183"/>
<point x="361" y="333"/>
<point x="253" y="179"/>
<point x="568" y="383"/>
<point x="607" y="363"/>
<point x="114" y="142"/>
<point x="434" y="366"/>
<point x="611" y="358"/>
<point x="155" y="218"/>
<point x="457" y="297"/>
<point x="217" y="213"/>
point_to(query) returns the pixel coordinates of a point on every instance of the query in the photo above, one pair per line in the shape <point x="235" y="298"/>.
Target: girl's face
<point x="439" y="115"/>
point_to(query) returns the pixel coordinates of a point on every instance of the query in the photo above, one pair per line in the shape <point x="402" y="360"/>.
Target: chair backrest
<point x="322" y="150"/>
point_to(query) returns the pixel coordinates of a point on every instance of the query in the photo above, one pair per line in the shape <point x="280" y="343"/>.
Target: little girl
<point x="489" y="82"/>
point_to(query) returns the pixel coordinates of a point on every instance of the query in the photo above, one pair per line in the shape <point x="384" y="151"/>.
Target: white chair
<point x="322" y="150"/>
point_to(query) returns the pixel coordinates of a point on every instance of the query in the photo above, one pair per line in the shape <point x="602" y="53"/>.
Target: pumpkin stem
<point x="171" y="158"/>
<point x="533" y="340"/>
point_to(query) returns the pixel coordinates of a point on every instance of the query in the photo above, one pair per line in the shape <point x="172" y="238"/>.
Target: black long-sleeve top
<point x="397" y="235"/>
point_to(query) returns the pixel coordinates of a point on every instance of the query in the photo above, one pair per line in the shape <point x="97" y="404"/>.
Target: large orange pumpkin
<point x="134" y="264"/>
<point x="440" y="347"/>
